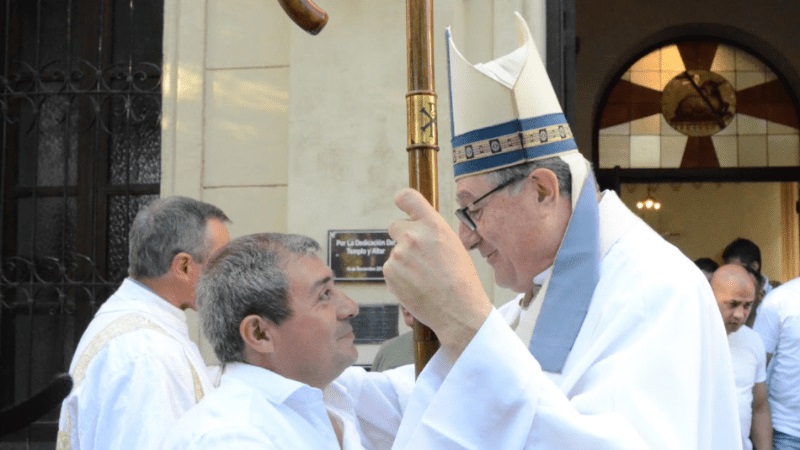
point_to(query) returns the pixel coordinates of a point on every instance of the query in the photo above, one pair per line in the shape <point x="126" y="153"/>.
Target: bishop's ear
<point x="255" y="332"/>
<point x="546" y="185"/>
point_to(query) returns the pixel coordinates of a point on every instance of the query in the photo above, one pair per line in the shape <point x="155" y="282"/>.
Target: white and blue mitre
<point x="503" y="113"/>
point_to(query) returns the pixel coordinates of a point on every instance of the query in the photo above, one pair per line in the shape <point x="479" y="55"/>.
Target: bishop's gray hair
<point x="247" y="276"/>
<point x="166" y="227"/>
<point x="519" y="171"/>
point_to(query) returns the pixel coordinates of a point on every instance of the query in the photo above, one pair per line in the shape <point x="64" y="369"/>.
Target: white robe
<point x="650" y="367"/>
<point x="136" y="371"/>
<point x="254" y="408"/>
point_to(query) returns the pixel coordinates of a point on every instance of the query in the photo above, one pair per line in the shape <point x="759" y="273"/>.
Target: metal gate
<point x="80" y="94"/>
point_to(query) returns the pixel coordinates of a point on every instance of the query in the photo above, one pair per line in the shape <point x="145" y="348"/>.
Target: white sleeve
<point x="507" y="404"/>
<point x="768" y="326"/>
<point x="378" y="400"/>
<point x="495" y="396"/>
<point x="761" y="366"/>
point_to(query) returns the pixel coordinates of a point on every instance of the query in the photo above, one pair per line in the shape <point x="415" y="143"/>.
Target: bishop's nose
<point x="469" y="239"/>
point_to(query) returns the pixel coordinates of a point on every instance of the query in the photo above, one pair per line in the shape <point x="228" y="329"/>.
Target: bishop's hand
<point x="432" y="275"/>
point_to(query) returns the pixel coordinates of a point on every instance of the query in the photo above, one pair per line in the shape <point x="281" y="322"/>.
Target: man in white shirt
<point x="135" y="368"/>
<point x="778" y="324"/>
<point x="735" y="291"/>
<point x="281" y="328"/>
<point x="621" y="347"/>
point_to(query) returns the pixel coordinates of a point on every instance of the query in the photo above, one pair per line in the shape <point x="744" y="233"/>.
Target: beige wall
<point x="291" y="132"/>
<point x="702" y="218"/>
<point x="226" y="108"/>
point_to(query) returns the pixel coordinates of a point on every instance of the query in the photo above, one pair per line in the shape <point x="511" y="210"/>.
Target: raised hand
<point x="432" y="275"/>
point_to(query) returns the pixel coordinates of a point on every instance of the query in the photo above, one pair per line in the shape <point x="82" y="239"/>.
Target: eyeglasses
<point x="463" y="213"/>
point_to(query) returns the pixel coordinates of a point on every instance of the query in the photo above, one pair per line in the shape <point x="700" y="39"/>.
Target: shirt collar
<point x="275" y="388"/>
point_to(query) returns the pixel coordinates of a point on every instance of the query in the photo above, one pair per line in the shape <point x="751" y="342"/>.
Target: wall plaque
<point x="375" y="323"/>
<point x="358" y="255"/>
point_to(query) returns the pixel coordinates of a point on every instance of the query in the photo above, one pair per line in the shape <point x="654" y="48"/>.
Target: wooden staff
<point x="423" y="142"/>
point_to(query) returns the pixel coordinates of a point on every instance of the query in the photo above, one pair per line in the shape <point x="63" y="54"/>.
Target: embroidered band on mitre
<point x="503" y="113"/>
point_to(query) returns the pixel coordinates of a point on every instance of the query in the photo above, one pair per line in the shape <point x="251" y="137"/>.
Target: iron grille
<point x="80" y="94"/>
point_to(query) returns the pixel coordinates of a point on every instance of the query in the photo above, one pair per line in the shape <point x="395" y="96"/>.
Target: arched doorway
<point x="690" y="114"/>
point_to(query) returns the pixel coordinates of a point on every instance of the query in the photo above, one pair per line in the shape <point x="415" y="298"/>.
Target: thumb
<point x="414" y="204"/>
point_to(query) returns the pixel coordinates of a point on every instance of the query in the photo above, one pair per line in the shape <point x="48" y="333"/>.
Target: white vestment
<point x="650" y="367"/>
<point x="254" y="408"/>
<point x="749" y="368"/>
<point x="136" y="371"/>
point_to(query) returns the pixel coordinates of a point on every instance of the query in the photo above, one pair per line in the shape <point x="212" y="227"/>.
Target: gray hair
<point x="247" y="276"/>
<point x="519" y="171"/>
<point x="166" y="227"/>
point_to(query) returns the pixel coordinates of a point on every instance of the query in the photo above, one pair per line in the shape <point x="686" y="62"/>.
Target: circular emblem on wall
<point x="698" y="103"/>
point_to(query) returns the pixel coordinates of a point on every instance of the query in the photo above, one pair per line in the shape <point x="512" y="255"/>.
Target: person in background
<point x="281" y="329"/>
<point x="707" y="266"/>
<point x="397" y="351"/>
<point x="746" y="252"/>
<point x="735" y="291"/>
<point x="778" y="324"/>
<point x="760" y="282"/>
<point x="599" y="357"/>
<point x="136" y="371"/>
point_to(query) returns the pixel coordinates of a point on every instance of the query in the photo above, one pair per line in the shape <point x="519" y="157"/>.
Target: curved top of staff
<point x="306" y="14"/>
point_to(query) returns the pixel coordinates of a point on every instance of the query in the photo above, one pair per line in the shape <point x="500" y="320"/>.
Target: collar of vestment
<point x="133" y="297"/>
<point x="615" y="219"/>
<point x="575" y="273"/>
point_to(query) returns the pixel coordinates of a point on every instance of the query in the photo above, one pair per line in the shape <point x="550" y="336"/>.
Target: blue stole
<point x="576" y="271"/>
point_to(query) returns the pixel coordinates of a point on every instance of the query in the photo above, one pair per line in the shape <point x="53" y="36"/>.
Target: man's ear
<point x="256" y="333"/>
<point x="546" y="185"/>
<point x="182" y="264"/>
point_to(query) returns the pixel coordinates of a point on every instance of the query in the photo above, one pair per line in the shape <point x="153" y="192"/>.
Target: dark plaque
<point x="375" y="323"/>
<point x="358" y="255"/>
